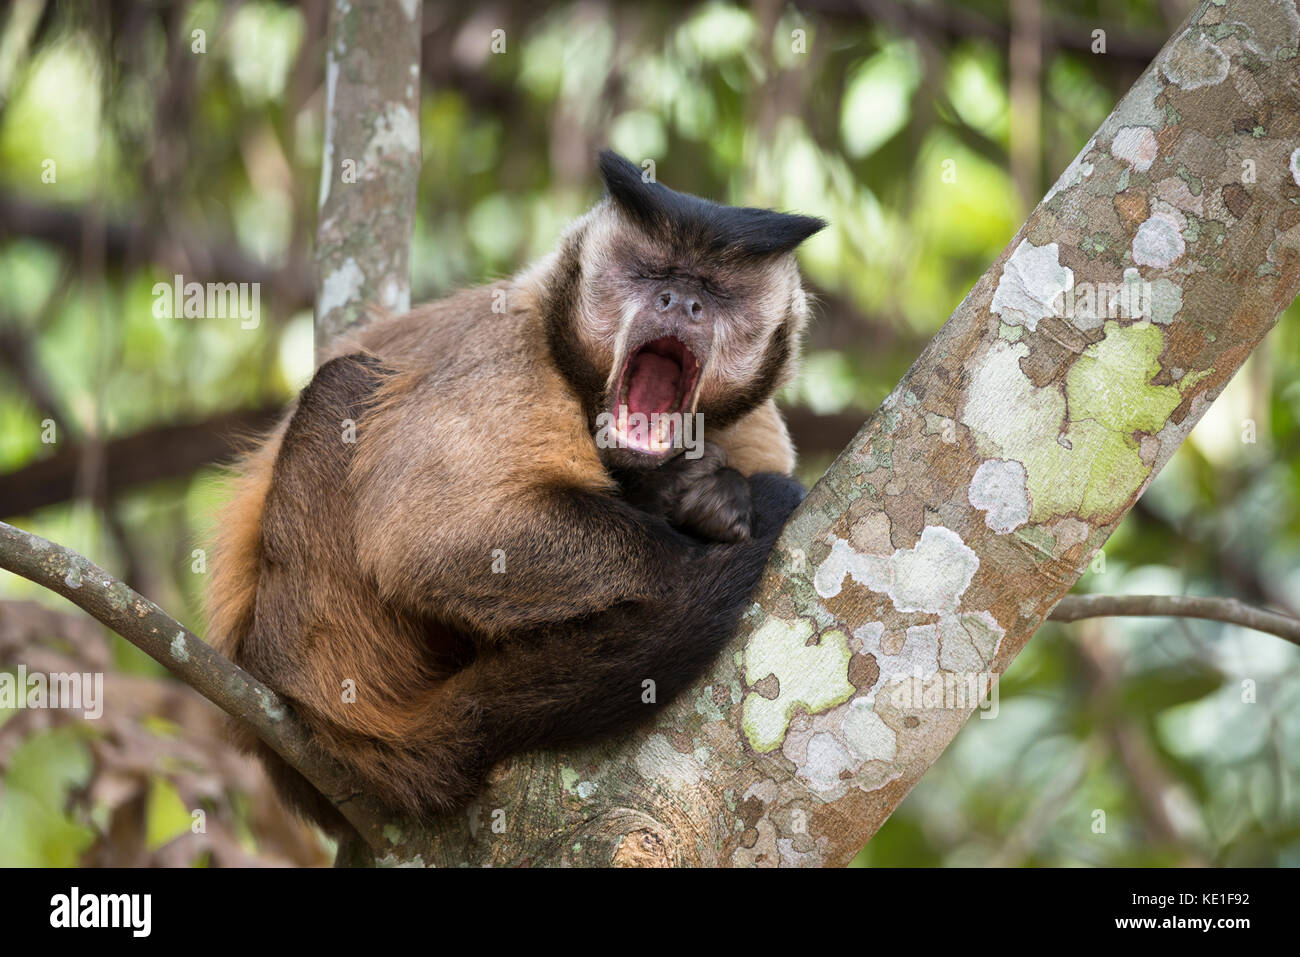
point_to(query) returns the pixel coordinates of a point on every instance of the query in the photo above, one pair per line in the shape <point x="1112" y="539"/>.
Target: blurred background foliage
<point x="141" y="139"/>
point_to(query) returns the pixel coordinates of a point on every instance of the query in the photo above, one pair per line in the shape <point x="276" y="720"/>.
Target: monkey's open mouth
<point x="655" y="388"/>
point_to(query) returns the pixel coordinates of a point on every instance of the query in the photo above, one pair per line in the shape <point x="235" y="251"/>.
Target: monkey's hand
<point x="701" y="496"/>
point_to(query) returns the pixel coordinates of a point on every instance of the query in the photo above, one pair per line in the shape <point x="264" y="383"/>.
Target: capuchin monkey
<point x="490" y="523"/>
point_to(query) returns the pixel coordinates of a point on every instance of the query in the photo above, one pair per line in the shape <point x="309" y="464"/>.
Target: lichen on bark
<point x="968" y="504"/>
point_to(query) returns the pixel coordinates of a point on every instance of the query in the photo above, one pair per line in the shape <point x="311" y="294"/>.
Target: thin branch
<point x="176" y="450"/>
<point x="191" y="659"/>
<point x="1227" y="610"/>
<point x="954" y="24"/>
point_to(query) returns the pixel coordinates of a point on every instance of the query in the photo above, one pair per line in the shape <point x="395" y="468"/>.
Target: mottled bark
<point x="970" y="502"/>
<point x="371" y="163"/>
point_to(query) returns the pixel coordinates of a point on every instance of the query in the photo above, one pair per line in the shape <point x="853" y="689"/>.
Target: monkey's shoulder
<point x="450" y="414"/>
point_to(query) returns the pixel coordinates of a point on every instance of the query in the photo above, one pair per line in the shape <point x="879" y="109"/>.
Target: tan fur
<point x="759" y="442"/>
<point x="237" y="547"/>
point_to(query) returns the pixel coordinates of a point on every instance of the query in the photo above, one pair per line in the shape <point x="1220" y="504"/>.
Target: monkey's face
<point x="684" y="346"/>
<point x="689" y="313"/>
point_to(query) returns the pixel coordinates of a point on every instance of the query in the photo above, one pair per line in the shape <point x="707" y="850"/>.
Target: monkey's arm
<point x="708" y="495"/>
<point x="559" y="554"/>
<point x="571" y="681"/>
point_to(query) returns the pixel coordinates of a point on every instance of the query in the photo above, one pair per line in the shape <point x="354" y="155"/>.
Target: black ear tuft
<point x="641" y="200"/>
<point x="699" y="225"/>
<point x="782" y="232"/>
<point x="619" y="172"/>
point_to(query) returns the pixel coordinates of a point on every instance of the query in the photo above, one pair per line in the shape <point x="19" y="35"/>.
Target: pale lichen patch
<point x="969" y="641"/>
<point x="1159" y="241"/>
<point x="868" y="737"/>
<point x="395" y="133"/>
<point x="870" y="534"/>
<point x="657" y="761"/>
<point x="932" y="576"/>
<point x="1176" y="191"/>
<point x="873" y="571"/>
<point x="271" y="705"/>
<point x="1139" y="107"/>
<point x="1069" y="532"/>
<point x="929" y="577"/>
<point x="825" y="759"/>
<point x="1136" y="146"/>
<point x="941" y="426"/>
<point x="812" y="677"/>
<point x="919" y="656"/>
<point x="999" y="489"/>
<point x="340" y="287"/>
<point x="1193" y="61"/>
<point x="916" y="656"/>
<point x="1166" y="301"/>
<point x="1032" y="285"/>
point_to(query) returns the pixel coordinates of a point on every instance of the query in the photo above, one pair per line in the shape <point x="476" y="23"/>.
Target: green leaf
<point x="167" y="817"/>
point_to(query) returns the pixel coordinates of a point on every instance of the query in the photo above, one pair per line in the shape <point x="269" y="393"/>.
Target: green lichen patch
<point x="1079" y="443"/>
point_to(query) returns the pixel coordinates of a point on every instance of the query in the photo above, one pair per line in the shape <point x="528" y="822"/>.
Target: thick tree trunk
<point x="939" y="541"/>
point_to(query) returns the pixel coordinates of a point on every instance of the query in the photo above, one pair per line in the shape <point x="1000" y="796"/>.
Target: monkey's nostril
<point x="696" y="309"/>
<point x="665" y="300"/>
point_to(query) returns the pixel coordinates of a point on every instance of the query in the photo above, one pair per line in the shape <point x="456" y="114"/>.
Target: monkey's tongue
<point x="654" y="383"/>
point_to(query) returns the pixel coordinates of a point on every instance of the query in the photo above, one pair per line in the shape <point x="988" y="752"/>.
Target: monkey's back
<point x="446" y="429"/>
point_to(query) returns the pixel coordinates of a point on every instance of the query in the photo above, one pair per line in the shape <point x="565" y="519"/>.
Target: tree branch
<point x="171" y="450"/>
<point x="954" y="23"/>
<point x="191" y="659"/>
<point x="175" y="248"/>
<point x="1227" y="610"/>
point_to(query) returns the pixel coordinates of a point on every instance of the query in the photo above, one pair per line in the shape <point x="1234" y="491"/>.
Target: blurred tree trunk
<point x="371" y="163"/>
